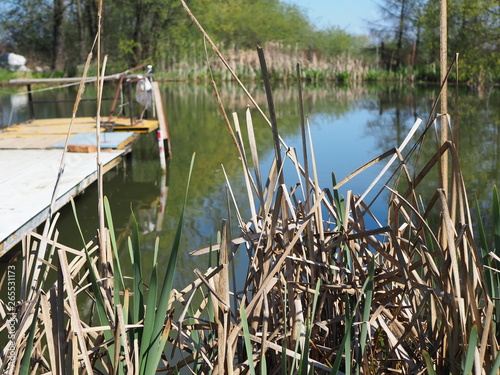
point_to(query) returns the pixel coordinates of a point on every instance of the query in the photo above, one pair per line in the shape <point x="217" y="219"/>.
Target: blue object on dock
<point x="108" y="140"/>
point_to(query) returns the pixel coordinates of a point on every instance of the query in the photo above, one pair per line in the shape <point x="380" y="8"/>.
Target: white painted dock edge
<point x="27" y="179"/>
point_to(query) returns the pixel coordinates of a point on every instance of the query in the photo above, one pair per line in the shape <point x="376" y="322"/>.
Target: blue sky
<point x="349" y="15"/>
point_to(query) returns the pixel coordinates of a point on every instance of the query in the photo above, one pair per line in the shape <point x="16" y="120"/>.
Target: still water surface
<point x="349" y="127"/>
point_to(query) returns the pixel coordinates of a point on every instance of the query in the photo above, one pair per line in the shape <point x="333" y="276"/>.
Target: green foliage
<point x="427" y="73"/>
<point x="248" y="23"/>
<point x="496" y="219"/>
<point x="150" y="30"/>
<point x="407" y="35"/>
<point x="303" y="365"/>
<point x="409" y="30"/>
<point x="428" y="363"/>
<point x="126" y="49"/>
<point x="28" y="28"/>
<point x="345" y="346"/>
<point x="342" y="77"/>
<point x="496" y="365"/>
<point x="246" y="337"/>
<point x="373" y="75"/>
<point x="334" y="42"/>
<point x="6" y="75"/>
<point x="471" y="347"/>
<point x="25" y="362"/>
<point x="473" y="28"/>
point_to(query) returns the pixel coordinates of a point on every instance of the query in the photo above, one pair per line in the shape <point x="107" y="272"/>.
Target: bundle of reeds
<point x="324" y="293"/>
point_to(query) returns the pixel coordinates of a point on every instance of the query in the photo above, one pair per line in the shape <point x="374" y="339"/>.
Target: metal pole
<point x="30" y="103"/>
<point x="130" y="102"/>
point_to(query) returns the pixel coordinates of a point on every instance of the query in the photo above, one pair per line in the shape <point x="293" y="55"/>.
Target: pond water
<point x="349" y="127"/>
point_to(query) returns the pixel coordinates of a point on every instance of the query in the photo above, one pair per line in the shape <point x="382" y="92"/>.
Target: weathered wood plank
<point x="46" y="81"/>
<point x="27" y="182"/>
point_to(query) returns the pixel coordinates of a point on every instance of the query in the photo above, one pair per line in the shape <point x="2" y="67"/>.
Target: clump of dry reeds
<point x="326" y="294"/>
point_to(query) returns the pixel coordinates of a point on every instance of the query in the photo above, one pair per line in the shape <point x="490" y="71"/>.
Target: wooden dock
<point x="30" y="156"/>
<point x="27" y="182"/>
<point x="51" y="133"/>
<point x="31" y="152"/>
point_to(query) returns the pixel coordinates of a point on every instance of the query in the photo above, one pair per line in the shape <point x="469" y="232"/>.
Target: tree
<point x="473" y="30"/>
<point x="136" y="30"/>
<point x="58" y="58"/>
<point x="37" y="29"/>
<point x="334" y="42"/>
<point x="248" y="23"/>
<point x="61" y="32"/>
<point x="399" y="30"/>
<point x="28" y="30"/>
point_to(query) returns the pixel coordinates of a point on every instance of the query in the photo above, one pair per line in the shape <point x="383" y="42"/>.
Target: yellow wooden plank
<point x="50" y="130"/>
<point x="9" y="135"/>
<point x="127" y="142"/>
<point x="143" y="126"/>
<point x="45" y="133"/>
<point x="60" y="121"/>
<point x="88" y="121"/>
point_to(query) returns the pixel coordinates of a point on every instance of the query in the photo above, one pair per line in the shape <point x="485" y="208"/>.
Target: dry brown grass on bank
<point x="281" y="64"/>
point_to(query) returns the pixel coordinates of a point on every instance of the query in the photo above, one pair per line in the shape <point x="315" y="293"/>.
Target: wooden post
<point x="163" y="159"/>
<point x="162" y="120"/>
<point x="443" y="62"/>
<point x="443" y="47"/>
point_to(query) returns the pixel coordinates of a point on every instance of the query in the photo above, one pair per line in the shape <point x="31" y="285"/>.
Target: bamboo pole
<point x="443" y="47"/>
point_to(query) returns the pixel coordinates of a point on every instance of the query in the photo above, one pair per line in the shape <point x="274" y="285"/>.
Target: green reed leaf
<point x="246" y="338"/>
<point x="471" y="348"/>
<point x="428" y="363"/>
<point x="152" y="346"/>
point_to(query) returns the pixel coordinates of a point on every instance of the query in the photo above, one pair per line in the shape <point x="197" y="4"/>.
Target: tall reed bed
<point x="281" y="60"/>
<point x="325" y="293"/>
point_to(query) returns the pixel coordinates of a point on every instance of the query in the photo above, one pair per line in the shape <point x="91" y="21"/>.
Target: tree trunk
<point x="138" y="32"/>
<point x="417" y="44"/>
<point x="90" y="8"/>
<point x="400" y="34"/>
<point x="58" y="57"/>
<point x="81" y="33"/>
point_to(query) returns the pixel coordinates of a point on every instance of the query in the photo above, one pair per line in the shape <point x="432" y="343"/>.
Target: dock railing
<point x="125" y="77"/>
